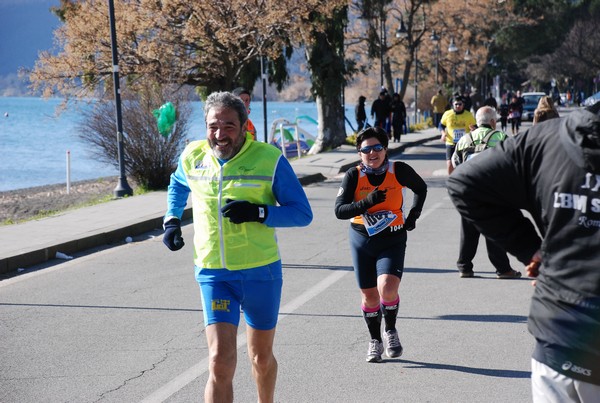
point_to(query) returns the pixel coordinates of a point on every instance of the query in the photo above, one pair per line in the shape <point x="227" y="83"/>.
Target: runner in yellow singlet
<point x="455" y="123"/>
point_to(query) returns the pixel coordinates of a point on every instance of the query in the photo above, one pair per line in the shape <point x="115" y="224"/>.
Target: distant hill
<point x="26" y="28"/>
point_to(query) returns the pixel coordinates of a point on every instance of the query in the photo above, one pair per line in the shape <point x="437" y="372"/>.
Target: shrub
<point x="149" y="157"/>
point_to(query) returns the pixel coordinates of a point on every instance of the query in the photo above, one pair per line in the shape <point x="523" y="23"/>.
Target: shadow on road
<point x="498" y="373"/>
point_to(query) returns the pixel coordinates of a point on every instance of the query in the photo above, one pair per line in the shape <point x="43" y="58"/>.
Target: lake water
<point x="34" y="140"/>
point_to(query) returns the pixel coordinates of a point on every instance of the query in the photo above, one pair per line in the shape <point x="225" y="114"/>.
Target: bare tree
<point x="150" y="157"/>
<point x="210" y="44"/>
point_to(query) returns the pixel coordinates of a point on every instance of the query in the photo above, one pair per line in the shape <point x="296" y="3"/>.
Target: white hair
<point x="484" y="115"/>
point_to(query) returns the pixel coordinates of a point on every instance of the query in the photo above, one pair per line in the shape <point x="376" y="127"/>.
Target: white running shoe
<point x="393" y="348"/>
<point x="375" y="351"/>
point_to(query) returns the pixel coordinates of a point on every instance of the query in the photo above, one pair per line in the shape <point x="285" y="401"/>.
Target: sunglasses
<point x="377" y="148"/>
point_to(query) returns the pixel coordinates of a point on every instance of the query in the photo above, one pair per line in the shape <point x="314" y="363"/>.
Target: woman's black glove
<point x="411" y="220"/>
<point x="172" y="237"/>
<point x="375" y="197"/>
<point x="240" y="211"/>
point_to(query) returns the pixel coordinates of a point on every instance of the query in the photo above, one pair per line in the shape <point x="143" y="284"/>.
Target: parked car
<point x="531" y="100"/>
<point x="591" y="100"/>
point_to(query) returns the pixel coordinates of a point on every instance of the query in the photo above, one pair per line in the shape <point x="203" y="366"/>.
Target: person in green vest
<point x="486" y="135"/>
<point x="241" y="190"/>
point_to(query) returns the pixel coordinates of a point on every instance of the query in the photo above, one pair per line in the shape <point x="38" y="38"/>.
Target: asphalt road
<point x="124" y="324"/>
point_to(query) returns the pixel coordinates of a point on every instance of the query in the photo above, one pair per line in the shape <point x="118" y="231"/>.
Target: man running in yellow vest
<point x="241" y="190"/>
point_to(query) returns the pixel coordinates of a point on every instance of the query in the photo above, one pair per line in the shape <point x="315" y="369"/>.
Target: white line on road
<point x="431" y="210"/>
<point x="200" y="368"/>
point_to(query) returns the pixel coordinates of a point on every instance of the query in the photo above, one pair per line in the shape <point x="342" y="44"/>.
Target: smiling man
<point x="241" y="190"/>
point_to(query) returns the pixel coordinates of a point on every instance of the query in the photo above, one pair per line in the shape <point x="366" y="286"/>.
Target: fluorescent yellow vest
<point x="218" y="243"/>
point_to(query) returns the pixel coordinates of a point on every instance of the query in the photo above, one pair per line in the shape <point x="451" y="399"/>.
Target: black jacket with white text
<point x="552" y="171"/>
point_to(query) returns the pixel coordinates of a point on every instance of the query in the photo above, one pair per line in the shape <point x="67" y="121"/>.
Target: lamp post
<point x="452" y="49"/>
<point x="416" y="81"/>
<point x="436" y="39"/>
<point x="382" y="42"/>
<point x="401" y="33"/>
<point x="263" y="75"/>
<point x="467" y="58"/>
<point x="122" y="188"/>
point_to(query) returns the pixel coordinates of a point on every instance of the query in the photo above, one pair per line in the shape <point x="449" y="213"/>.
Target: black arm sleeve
<point x="407" y="176"/>
<point x="345" y="206"/>
<point x="491" y="191"/>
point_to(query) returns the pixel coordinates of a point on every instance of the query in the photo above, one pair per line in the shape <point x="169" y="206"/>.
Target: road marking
<point x="431" y="210"/>
<point x="200" y="368"/>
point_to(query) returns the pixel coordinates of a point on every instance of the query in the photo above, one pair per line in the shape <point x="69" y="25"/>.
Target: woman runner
<point x="372" y="196"/>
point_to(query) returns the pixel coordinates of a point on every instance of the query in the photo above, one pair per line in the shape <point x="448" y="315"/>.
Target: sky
<point x="26" y="28"/>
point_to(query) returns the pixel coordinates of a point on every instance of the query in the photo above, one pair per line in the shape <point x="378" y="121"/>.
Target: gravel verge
<point x="25" y="204"/>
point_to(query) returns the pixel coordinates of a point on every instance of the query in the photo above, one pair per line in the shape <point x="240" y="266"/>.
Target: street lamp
<point x="467" y="58"/>
<point x="416" y="82"/>
<point x="401" y="32"/>
<point x="122" y="188"/>
<point x="263" y="76"/>
<point x="452" y="49"/>
<point x="436" y="39"/>
<point x="382" y="42"/>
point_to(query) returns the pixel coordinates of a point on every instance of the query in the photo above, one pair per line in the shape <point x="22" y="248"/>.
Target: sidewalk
<point x="38" y="241"/>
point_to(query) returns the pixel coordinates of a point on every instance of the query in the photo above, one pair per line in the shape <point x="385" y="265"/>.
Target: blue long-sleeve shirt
<point x="293" y="209"/>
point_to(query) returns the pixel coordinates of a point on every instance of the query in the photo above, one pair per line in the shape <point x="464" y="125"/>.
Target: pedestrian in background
<point x="491" y="101"/>
<point x="381" y="110"/>
<point x="487" y="134"/>
<point x="545" y="110"/>
<point x="515" y="109"/>
<point x="360" y="113"/>
<point x="503" y="115"/>
<point x="398" y="117"/>
<point x="241" y="190"/>
<point x="372" y="197"/>
<point x="468" y="102"/>
<point x="454" y="124"/>
<point x="439" y="104"/>
<point x="477" y="101"/>
<point x="552" y="171"/>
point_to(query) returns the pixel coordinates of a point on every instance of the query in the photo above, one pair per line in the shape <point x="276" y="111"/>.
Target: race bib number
<point x="457" y="134"/>
<point x="377" y="222"/>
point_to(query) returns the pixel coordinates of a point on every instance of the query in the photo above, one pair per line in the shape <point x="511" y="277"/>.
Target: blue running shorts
<point x="255" y="291"/>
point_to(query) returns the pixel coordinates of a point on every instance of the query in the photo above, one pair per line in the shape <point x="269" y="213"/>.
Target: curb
<point x="111" y="237"/>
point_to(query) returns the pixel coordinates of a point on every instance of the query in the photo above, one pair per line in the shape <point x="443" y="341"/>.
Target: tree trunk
<point x="332" y="130"/>
<point x="327" y="66"/>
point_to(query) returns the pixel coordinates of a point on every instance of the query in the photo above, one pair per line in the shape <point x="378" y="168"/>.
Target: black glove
<point x="411" y="220"/>
<point x="375" y="197"/>
<point x="172" y="237"/>
<point x="240" y="211"/>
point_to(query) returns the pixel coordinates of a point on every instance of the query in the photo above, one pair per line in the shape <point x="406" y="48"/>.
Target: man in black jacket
<point x="381" y="110"/>
<point x="552" y="171"/>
